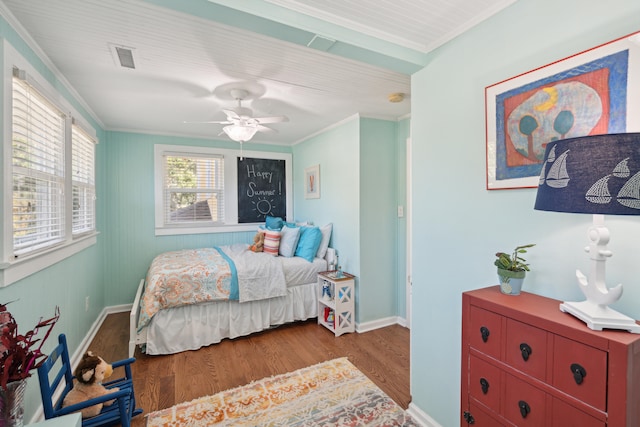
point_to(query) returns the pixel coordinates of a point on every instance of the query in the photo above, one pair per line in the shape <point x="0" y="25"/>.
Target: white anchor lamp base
<point x="595" y="311"/>
<point x="598" y="317"/>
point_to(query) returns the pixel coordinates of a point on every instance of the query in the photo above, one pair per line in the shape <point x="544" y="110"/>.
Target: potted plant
<point x="512" y="269"/>
<point x="19" y="355"/>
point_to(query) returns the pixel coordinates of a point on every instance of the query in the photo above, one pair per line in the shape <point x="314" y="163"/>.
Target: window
<point x="83" y="178"/>
<point x="37" y="170"/>
<point x="48" y="212"/>
<point x="196" y="189"/>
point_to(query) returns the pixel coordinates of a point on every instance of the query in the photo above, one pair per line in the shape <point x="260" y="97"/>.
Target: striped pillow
<point x="271" y="242"/>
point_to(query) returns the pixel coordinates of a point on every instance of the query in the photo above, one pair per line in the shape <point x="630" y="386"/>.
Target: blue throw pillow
<point x="308" y="243"/>
<point x="274" y="223"/>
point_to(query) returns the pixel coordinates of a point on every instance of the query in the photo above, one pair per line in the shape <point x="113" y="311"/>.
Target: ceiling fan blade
<point x="266" y="129"/>
<point x="274" y="119"/>
<point x="226" y="122"/>
<point x="231" y="114"/>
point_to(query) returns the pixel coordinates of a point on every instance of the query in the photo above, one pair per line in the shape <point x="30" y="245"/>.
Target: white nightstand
<point x="336" y="311"/>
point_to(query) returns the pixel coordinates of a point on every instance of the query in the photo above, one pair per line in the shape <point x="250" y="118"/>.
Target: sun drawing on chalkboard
<point x="263" y="206"/>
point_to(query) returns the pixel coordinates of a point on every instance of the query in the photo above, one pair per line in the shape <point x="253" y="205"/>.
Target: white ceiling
<point x="190" y="53"/>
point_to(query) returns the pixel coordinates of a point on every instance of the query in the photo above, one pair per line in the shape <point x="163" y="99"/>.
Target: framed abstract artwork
<point x="593" y="92"/>
<point x="312" y="182"/>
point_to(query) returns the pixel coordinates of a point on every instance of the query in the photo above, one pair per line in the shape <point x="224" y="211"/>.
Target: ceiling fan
<point x="241" y="125"/>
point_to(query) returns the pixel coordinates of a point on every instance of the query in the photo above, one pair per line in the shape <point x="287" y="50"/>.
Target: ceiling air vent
<point x="123" y="56"/>
<point x="321" y="43"/>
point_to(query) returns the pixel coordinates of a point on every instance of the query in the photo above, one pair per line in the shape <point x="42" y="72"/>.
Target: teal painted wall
<point x="67" y="283"/>
<point x="358" y="194"/>
<point x="457" y="224"/>
<point x="131" y="243"/>
<point x="336" y="151"/>
<point x="378" y="290"/>
<point x="403" y="127"/>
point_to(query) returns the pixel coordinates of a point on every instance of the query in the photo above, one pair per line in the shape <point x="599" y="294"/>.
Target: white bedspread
<point x="260" y="275"/>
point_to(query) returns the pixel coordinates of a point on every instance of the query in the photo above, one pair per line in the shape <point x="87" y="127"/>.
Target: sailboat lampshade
<point x="597" y="174"/>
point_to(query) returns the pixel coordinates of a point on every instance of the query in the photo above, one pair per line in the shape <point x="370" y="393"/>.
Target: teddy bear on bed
<point x="90" y="373"/>
<point x="258" y="242"/>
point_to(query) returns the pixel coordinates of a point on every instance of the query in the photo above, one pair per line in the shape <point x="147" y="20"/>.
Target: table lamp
<point x="599" y="175"/>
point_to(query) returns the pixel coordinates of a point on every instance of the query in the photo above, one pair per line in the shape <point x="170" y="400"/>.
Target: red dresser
<point x="526" y="363"/>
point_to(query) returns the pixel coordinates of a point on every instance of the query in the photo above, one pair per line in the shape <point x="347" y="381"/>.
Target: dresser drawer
<point x="481" y="418"/>
<point x="590" y="388"/>
<point x="485" y="331"/>
<point x="517" y="394"/>
<point x="565" y="415"/>
<point x="527" y="348"/>
<point x="484" y="382"/>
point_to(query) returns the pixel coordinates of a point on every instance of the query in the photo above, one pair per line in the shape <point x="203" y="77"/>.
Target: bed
<point x="194" y="298"/>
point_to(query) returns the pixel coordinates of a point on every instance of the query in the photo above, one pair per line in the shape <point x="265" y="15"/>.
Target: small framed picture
<point x="312" y="182"/>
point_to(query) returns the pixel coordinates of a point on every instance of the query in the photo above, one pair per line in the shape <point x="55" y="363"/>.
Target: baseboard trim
<point x="422" y="417"/>
<point x="379" y="323"/>
<point x="122" y="308"/>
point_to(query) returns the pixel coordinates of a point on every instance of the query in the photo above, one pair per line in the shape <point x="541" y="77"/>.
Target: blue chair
<point x="54" y="375"/>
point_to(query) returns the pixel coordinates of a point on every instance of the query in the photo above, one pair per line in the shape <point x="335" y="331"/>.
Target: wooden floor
<point x="163" y="381"/>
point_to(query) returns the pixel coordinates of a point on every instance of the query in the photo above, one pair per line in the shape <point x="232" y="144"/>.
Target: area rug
<point x="333" y="393"/>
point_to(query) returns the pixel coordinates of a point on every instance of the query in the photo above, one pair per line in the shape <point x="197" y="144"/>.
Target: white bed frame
<point x="134" y="337"/>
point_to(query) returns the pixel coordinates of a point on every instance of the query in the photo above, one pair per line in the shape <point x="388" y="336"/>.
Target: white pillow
<point x="288" y="240"/>
<point x="324" y="243"/>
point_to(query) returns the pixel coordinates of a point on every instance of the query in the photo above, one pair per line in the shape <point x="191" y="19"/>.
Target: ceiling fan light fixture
<point x="240" y="133"/>
<point x="396" y="97"/>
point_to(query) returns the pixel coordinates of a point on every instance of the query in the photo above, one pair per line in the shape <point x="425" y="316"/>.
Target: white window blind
<point x="38" y="144"/>
<point x="83" y="211"/>
<point x="193" y="188"/>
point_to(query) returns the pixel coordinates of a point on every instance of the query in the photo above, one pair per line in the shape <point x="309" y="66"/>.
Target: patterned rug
<point x="333" y="393"/>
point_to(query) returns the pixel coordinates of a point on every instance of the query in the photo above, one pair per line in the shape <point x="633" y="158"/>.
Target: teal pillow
<point x="274" y="223"/>
<point x="308" y="243"/>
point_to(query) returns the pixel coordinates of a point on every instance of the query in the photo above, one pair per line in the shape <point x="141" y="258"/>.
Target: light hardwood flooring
<point x="163" y="381"/>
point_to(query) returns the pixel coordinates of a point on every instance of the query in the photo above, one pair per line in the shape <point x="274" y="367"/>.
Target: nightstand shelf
<point x="336" y="308"/>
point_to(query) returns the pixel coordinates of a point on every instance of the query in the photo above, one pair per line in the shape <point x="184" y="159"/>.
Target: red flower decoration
<point x="17" y="355"/>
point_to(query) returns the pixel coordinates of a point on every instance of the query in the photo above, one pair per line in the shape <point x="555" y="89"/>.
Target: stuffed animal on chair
<point x="258" y="242"/>
<point x="90" y="373"/>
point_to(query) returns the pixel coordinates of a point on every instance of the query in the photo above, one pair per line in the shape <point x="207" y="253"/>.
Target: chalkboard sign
<point x="261" y="189"/>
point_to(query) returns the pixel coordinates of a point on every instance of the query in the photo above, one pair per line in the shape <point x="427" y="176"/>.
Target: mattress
<point x="298" y="271"/>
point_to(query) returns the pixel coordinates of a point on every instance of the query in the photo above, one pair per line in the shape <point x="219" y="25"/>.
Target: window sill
<point x="174" y="231"/>
<point x="11" y="272"/>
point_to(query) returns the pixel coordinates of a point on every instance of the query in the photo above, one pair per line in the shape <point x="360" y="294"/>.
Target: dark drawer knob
<point x="578" y="373"/>
<point x="484" y="384"/>
<point x="526" y="351"/>
<point x="469" y="418"/>
<point x="484" y="331"/>
<point x="524" y="408"/>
